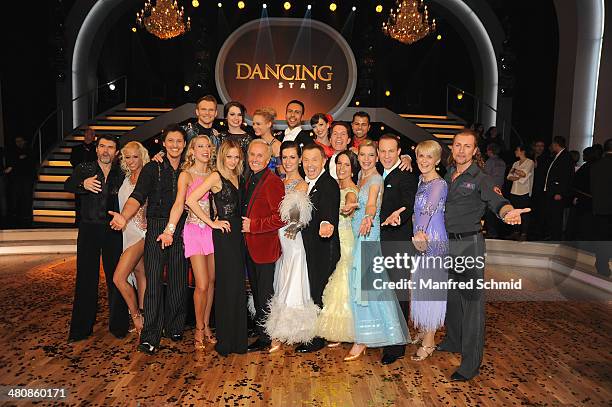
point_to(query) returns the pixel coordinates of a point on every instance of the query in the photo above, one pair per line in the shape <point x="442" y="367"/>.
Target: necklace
<point x="200" y="173"/>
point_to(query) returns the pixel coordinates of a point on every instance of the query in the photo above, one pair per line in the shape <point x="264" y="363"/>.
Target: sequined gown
<point x="335" y="321"/>
<point x="378" y="318"/>
<point x="230" y="286"/>
<point x="292" y="314"/>
<point x="428" y="306"/>
<point x="137" y="226"/>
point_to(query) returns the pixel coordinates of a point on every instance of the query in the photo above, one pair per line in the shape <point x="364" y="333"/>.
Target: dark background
<point x="415" y="74"/>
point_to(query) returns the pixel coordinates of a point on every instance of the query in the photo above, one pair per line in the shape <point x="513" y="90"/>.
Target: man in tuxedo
<point x="294" y="132"/>
<point x="396" y="219"/>
<point x="601" y="189"/>
<point x="321" y="239"/>
<point x="263" y="193"/>
<point x="557" y="187"/>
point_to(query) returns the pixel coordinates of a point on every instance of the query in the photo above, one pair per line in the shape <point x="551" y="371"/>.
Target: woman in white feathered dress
<point x="292" y="313"/>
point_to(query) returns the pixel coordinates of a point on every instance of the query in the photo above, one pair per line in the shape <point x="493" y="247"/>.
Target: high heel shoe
<point x="349" y="357"/>
<point x="333" y="344"/>
<point x="275" y="347"/>
<point x="209" y="336"/>
<point x="199" y="343"/>
<point x="138" y="321"/>
<point x="428" y="352"/>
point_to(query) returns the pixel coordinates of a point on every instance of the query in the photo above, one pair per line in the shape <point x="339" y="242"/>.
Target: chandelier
<point x="409" y="22"/>
<point x="164" y="20"/>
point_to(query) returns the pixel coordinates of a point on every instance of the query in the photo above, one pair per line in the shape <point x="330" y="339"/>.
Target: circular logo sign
<point x="268" y="62"/>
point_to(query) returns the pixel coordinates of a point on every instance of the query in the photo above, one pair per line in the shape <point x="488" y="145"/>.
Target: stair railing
<point x="476" y="103"/>
<point x="42" y="142"/>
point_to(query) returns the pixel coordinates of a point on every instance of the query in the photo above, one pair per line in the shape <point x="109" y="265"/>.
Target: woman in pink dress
<point x="197" y="235"/>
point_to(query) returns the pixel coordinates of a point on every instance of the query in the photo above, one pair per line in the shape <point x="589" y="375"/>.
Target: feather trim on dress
<point x="299" y="200"/>
<point x="291" y="325"/>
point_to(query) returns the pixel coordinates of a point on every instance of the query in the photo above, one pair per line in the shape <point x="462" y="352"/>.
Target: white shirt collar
<point x="291" y="134"/>
<point x="394" y="167"/>
<point x="312" y="182"/>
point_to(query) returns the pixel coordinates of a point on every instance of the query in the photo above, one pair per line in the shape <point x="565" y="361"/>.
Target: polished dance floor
<point x="537" y="353"/>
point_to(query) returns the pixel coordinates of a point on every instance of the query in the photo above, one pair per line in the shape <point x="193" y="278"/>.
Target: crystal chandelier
<point x="409" y="22"/>
<point x="164" y="20"/>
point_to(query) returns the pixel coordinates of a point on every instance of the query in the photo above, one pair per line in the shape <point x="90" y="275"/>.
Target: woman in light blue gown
<point x="378" y="318"/>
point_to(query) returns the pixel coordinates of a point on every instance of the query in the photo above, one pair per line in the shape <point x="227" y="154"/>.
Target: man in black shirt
<point x="157" y="187"/>
<point x="206" y="113"/>
<point x="294" y="132"/>
<point x="96" y="184"/>
<point x="470" y="191"/>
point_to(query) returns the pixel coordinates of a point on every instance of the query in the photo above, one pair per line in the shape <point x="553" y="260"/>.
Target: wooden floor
<point x="537" y="354"/>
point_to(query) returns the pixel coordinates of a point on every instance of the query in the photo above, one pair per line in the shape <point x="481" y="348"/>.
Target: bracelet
<point x="170" y="228"/>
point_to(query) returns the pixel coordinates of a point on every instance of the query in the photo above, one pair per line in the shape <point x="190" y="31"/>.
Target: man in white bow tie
<point x="321" y="240"/>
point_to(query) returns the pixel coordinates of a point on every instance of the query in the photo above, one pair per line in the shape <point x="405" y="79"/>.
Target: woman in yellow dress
<point x="335" y="321"/>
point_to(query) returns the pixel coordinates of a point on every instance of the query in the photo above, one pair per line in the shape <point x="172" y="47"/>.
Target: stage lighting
<point x="309" y="6"/>
<point x="387" y="93"/>
<point x="112" y="86"/>
<point x="264" y="5"/>
<point x="221" y="123"/>
<point x="219" y="4"/>
<point x="333" y="6"/>
<point x="382" y="128"/>
<point x="356" y="103"/>
<point x="195" y="3"/>
<point x="460" y="95"/>
<point x="439" y="37"/>
<point x="133" y="29"/>
<point x="354" y="8"/>
<point x="241" y="5"/>
<point x="186" y="88"/>
<point x="287" y="5"/>
<point x="379" y="8"/>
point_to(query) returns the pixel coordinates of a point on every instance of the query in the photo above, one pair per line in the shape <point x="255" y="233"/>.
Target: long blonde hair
<point x="190" y="158"/>
<point x="142" y="151"/>
<point x="226" y="146"/>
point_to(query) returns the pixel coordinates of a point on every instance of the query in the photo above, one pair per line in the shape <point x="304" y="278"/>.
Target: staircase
<point x="443" y="128"/>
<point x="52" y="206"/>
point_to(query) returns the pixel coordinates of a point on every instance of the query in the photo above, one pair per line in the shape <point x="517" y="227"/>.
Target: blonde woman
<point x="197" y="235"/>
<point x="263" y="123"/>
<point x="428" y="307"/>
<point x="230" y="286"/>
<point x="133" y="157"/>
<point x="378" y="319"/>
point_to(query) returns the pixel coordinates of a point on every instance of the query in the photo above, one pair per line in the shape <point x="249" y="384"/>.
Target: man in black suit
<point x="321" y="239"/>
<point x="538" y="197"/>
<point x="557" y="187"/>
<point x="396" y="219"/>
<point x="601" y="189"/>
<point x="294" y="132"/>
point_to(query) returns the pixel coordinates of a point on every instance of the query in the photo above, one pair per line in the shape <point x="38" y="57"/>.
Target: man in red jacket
<point x="263" y="193"/>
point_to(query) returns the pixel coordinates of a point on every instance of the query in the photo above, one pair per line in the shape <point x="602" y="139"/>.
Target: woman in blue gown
<point x="377" y="315"/>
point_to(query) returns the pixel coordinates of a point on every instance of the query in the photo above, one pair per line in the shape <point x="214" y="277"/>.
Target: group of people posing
<point x="303" y="215"/>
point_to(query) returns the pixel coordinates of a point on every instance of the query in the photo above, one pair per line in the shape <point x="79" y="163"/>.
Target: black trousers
<point x="521" y="202"/>
<point x="261" y="278"/>
<point x="164" y="310"/>
<point x="554" y="217"/>
<point x="465" y="311"/>
<point x="95" y="240"/>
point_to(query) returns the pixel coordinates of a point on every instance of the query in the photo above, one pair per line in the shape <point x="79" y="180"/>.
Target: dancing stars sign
<point x="268" y="62"/>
